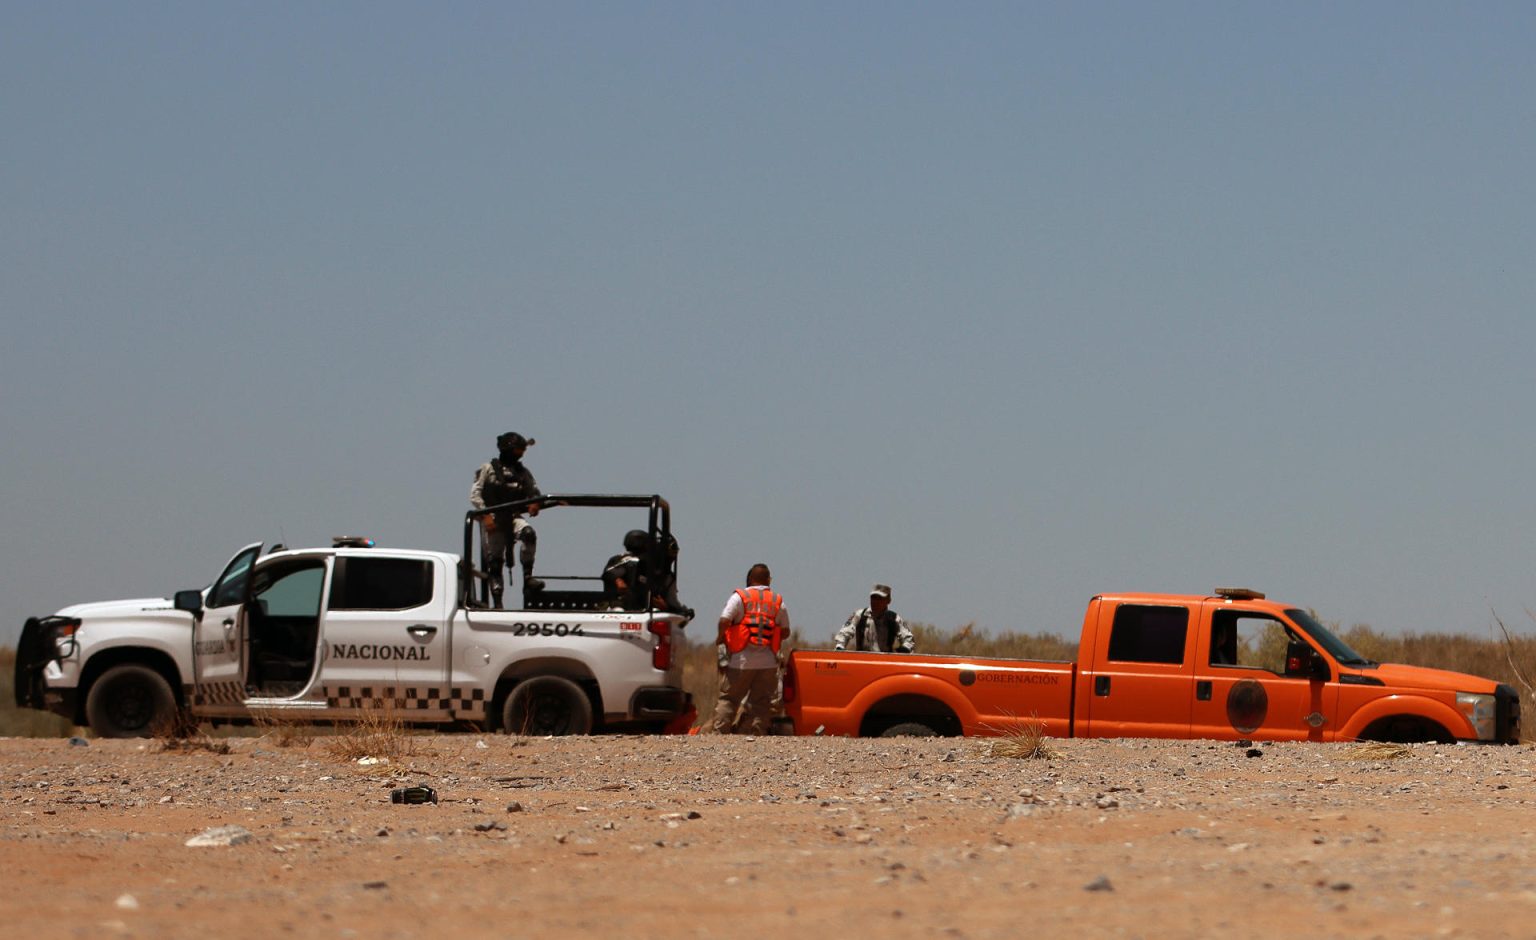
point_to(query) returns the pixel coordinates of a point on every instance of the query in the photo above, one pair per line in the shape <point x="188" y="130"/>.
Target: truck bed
<point x="868" y="694"/>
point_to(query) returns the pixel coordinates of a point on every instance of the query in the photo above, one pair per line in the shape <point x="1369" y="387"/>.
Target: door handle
<point x="421" y="631"/>
<point x="1101" y="685"/>
<point x="1203" y="690"/>
<point x="229" y="623"/>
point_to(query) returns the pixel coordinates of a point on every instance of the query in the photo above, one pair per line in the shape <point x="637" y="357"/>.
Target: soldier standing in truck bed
<point x="504" y="480"/>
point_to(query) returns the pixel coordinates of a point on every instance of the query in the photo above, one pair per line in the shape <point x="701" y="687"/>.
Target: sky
<point x="1002" y="304"/>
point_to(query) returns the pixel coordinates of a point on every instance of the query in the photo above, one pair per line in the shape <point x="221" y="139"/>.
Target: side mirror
<point x="1319" y="667"/>
<point x="189" y="601"/>
<point x="1298" y="659"/>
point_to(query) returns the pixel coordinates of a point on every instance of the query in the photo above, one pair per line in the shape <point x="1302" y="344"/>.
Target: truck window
<point x="231" y="586"/>
<point x="1148" y="634"/>
<point x="381" y="583"/>
<point x="290" y="593"/>
<point x="1248" y="639"/>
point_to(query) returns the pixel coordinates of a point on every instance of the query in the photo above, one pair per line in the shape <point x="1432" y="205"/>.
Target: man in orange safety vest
<point x="752" y="627"/>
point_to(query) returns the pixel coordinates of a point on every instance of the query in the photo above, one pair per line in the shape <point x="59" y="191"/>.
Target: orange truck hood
<point x="1422" y="677"/>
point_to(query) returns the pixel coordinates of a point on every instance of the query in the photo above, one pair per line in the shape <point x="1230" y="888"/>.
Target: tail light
<point x="661" y="656"/>
<point x="789" y="684"/>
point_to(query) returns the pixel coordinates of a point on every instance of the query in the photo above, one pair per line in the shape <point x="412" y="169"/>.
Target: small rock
<point x="375" y="885"/>
<point x="79" y="742"/>
<point x="221" y="836"/>
<point x="1253" y="752"/>
<point x="1100" y="883"/>
<point x="514" y="807"/>
<point x="491" y="826"/>
<point x="127" y="902"/>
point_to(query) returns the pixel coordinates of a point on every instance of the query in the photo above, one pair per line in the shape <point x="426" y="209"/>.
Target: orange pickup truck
<point x="1233" y="665"/>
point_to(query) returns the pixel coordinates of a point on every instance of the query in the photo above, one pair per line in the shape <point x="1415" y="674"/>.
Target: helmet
<point x="634" y="541"/>
<point x="511" y="441"/>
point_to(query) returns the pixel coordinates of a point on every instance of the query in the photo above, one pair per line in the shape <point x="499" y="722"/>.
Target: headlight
<point x="1480" y="711"/>
<point x="61" y="631"/>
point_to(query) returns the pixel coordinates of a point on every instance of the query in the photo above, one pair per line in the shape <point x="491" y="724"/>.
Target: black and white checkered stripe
<point x="215" y="693"/>
<point x="463" y="702"/>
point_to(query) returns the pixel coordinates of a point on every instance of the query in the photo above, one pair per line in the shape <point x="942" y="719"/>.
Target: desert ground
<point x="711" y="836"/>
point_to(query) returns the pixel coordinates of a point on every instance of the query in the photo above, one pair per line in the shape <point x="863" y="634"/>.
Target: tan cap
<point x="881" y="590"/>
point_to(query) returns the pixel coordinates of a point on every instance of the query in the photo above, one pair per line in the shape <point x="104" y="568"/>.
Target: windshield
<point x="1336" y="647"/>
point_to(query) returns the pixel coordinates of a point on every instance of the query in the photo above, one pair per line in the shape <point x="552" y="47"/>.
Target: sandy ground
<point x="716" y="837"/>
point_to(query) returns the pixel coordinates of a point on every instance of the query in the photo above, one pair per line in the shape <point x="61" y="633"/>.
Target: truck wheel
<point x="909" y="729"/>
<point x="130" y="701"/>
<point x="547" y="705"/>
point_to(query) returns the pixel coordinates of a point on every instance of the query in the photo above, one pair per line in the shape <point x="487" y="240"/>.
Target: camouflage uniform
<point x="871" y="632"/>
<point x="623" y="569"/>
<point x="498" y="482"/>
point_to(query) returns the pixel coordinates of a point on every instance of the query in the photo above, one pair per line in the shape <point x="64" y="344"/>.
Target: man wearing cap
<point x="505" y="480"/>
<point x="876" y="628"/>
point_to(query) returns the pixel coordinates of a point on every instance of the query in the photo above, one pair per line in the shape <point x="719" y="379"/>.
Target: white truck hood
<point x="126" y="608"/>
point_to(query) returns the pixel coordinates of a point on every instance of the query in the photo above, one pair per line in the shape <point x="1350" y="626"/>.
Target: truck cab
<point x="1237" y="665"/>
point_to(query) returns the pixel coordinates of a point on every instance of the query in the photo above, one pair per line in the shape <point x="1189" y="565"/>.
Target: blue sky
<point x="1003" y="304"/>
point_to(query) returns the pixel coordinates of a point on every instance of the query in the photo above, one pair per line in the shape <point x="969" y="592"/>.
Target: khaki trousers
<point x="757" y="687"/>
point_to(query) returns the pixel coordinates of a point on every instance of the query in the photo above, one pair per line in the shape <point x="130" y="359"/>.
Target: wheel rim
<point x="133" y="707"/>
<point x="547" y="714"/>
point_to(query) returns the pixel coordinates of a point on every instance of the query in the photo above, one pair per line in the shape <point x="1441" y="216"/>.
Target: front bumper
<point x="1506" y="728"/>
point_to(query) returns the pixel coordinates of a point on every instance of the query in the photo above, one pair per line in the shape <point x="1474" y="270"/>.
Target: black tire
<point x="909" y="729"/>
<point x="547" y="705"/>
<point x="1411" y="731"/>
<point x="130" y="701"/>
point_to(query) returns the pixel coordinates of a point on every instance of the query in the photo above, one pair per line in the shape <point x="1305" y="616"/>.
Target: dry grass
<point x="1026" y="740"/>
<point x="1378" y="750"/>
<point x="284" y="732"/>
<point x="25" y="723"/>
<point x="377" y="733"/>
<point x="181" y="733"/>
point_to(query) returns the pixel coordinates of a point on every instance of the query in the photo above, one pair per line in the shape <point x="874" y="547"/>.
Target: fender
<point x="123" y="648"/>
<point x="1416" y="706"/>
<point x="910" y="684"/>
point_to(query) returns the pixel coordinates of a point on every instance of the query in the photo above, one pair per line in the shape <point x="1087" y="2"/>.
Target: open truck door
<point x="218" y="636"/>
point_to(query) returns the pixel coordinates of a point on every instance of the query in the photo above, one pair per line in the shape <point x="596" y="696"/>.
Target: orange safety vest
<point x="759" y="624"/>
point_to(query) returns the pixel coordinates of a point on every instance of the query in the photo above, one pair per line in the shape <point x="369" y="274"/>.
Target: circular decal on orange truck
<point x="1247" y="704"/>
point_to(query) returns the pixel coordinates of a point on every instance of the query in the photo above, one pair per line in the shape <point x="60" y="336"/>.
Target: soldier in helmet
<point x="504" y="480"/>
<point x="636" y="577"/>
<point x="623" y="583"/>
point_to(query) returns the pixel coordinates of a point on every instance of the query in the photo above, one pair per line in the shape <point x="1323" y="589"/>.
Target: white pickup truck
<point x="329" y="634"/>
